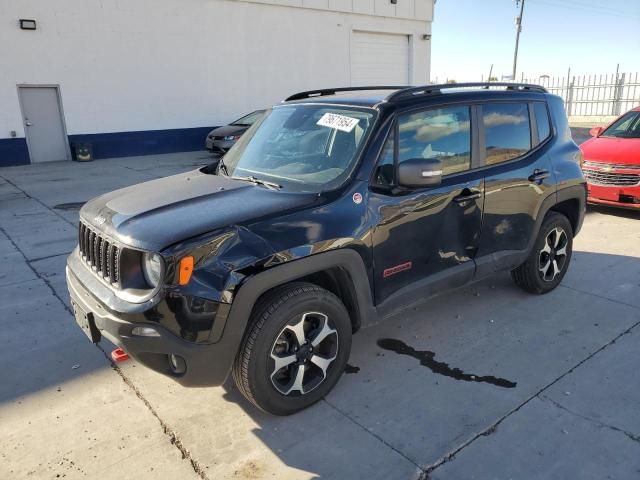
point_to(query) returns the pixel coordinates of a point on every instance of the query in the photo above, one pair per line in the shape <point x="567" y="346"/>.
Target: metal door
<point x="429" y="236"/>
<point x="517" y="181"/>
<point x="379" y="59"/>
<point x="43" y="124"/>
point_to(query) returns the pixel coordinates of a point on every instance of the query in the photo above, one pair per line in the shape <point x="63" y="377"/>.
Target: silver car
<point x="220" y="140"/>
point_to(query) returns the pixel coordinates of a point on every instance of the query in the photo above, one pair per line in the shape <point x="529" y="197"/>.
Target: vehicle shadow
<point x="52" y="366"/>
<point x="398" y="412"/>
<point x="617" y="212"/>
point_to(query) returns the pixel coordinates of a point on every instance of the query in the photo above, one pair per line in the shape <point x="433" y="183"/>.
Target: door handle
<point x="28" y="123"/>
<point x="467" y="195"/>
<point x="538" y="175"/>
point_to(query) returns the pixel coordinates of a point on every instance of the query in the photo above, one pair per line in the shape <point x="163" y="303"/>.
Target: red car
<point x="612" y="162"/>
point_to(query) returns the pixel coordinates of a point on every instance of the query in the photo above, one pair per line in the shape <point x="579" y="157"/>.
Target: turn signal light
<point x="119" y="355"/>
<point x="185" y="270"/>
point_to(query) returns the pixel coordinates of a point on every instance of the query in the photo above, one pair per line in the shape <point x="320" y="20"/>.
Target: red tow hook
<point x="119" y="355"/>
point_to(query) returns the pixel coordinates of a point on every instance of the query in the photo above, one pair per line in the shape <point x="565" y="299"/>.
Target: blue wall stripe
<point x="13" y="151"/>
<point x="146" y="142"/>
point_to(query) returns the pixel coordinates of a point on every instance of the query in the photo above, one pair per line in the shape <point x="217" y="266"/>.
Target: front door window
<point x="441" y="133"/>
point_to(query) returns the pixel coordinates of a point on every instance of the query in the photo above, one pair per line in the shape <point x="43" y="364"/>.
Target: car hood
<point x="623" y="151"/>
<point x="159" y="213"/>
<point x="228" y="130"/>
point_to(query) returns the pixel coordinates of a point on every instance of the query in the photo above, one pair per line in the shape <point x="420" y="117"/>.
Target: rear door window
<point x="507" y="131"/>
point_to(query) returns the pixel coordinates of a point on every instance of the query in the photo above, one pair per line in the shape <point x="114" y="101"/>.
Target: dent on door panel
<point x="512" y="204"/>
<point x="428" y="230"/>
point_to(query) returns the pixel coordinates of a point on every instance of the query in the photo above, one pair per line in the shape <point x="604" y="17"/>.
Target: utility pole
<point x="518" y="30"/>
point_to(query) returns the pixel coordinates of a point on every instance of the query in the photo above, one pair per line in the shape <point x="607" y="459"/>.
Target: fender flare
<point x="509" y="259"/>
<point x="579" y="193"/>
<point x="256" y="285"/>
<point x="574" y="192"/>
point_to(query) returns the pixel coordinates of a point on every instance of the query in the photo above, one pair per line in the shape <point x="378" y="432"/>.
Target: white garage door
<point x="379" y="59"/>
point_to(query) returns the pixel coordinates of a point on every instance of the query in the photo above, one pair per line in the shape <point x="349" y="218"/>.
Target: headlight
<point x="228" y="138"/>
<point x="152" y="268"/>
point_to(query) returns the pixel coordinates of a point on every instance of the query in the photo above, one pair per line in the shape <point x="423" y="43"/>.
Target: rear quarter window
<point x="542" y="120"/>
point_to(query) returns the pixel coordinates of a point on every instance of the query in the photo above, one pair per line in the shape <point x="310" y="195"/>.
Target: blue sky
<point x="590" y="36"/>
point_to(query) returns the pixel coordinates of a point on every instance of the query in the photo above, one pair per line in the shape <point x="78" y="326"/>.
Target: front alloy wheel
<point x="302" y="353"/>
<point x="295" y="350"/>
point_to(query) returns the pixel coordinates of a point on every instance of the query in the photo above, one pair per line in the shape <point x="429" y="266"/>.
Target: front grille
<point x="609" y="166"/>
<point x="611" y="178"/>
<point x="100" y="254"/>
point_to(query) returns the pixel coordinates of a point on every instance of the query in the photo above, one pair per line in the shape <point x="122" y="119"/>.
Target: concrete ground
<point x="551" y="384"/>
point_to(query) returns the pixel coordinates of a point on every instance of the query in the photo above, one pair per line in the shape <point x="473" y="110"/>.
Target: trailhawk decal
<point x="397" y="269"/>
<point x="339" y="122"/>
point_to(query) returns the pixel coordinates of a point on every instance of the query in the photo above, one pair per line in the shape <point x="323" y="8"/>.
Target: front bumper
<point x="206" y="364"/>
<point x="218" y="146"/>
<point x="621" y="197"/>
<point x="612" y="184"/>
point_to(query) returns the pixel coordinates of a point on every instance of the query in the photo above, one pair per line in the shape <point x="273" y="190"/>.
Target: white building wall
<point x="411" y="9"/>
<point x="125" y="65"/>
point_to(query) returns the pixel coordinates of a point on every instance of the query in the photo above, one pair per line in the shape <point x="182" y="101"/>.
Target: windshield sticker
<point x="339" y="122"/>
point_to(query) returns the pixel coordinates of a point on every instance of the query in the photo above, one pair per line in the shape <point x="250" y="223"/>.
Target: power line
<point x="588" y="8"/>
<point x="599" y="7"/>
<point x="591" y="6"/>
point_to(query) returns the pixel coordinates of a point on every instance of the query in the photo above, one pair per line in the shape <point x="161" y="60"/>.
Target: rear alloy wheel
<point x="550" y="257"/>
<point x="553" y="255"/>
<point x="295" y="350"/>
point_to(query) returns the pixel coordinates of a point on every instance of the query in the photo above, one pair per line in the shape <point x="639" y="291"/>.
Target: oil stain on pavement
<point x="427" y="359"/>
<point x="351" y="369"/>
<point x="69" y="206"/>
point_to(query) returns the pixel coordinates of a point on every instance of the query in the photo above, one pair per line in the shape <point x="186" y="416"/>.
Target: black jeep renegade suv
<point x="336" y="209"/>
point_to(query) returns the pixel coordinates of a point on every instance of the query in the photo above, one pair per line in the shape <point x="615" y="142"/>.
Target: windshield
<point x="309" y="148"/>
<point x="248" y="120"/>
<point x="627" y="126"/>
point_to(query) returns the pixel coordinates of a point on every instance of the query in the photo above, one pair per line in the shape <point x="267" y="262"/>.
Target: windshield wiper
<point x="257" y="181"/>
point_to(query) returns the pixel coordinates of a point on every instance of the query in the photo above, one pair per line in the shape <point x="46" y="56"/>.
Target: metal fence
<point x="594" y="95"/>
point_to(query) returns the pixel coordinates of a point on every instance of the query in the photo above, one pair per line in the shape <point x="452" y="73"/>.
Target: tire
<point x="538" y="273"/>
<point x="279" y="319"/>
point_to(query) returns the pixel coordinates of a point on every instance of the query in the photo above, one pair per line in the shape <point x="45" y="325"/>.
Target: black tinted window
<point x="627" y="126"/>
<point x="443" y="133"/>
<point x="385" y="169"/>
<point x="542" y="120"/>
<point x="507" y="131"/>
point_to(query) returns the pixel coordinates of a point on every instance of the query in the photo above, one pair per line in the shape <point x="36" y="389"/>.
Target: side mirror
<point x="420" y="172"/>
<point x="596" y="131"/>
<point x="211" y="168"/>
